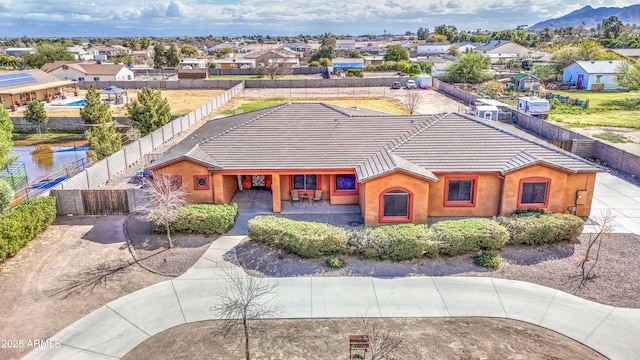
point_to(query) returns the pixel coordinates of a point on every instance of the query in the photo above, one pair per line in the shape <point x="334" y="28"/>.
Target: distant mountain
<point x="590" y="17"/>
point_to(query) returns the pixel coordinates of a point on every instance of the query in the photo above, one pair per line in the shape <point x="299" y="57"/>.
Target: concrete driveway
<point x="622" y="197"/>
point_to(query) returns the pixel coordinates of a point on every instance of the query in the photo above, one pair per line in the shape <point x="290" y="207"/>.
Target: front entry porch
<point x="256" y="201"/>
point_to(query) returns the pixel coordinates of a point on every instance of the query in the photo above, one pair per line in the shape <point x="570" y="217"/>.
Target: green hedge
<point x="542" y="229"/>
<point x="395" y="242"/>
<point x="25" y="222"/>
<point x="305" y="239"/>
<point x="457" y="237"/>
<point x="208" y="219"/>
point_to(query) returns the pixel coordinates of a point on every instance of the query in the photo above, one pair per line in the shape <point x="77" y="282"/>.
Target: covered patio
<point x="254" y="201"/>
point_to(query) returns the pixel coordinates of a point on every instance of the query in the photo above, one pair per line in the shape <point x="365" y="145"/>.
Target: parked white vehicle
<point x="411" y="84"/>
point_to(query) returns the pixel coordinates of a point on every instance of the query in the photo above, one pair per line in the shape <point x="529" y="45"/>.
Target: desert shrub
<point x="457" y="237"/>
<point x="354" y="72"/>
<point x="487" y="259"/>
<point x="205" y="219"/>
<point x="543" y="229"/>
<point x="25" y="222"/>
<point x="302" y="238"/>
<point x="336" y="262"/>
<point x="395" y="242"/>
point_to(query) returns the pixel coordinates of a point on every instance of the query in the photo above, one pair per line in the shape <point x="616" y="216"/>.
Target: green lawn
<point x="617" y="109"/>
<point x="600" y="99"/>
<point x="255" y="105"/>
<point x="253" y="77"/>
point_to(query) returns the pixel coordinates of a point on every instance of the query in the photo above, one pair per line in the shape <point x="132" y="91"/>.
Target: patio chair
<point x="317" y="198"/>
<point x="294" y="196"/>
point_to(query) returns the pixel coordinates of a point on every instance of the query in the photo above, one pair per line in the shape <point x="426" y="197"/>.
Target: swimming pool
<point x="82" y="102"/>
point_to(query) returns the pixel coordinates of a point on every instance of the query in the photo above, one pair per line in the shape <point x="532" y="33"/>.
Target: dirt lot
<point x="47" y="286"/>
<point x="632" y="134"/>
<point x="436" y="338"/>
<point x="432" y="102"/>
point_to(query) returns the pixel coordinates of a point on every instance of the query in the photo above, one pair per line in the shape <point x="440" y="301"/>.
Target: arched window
<point x="396" y="205"/>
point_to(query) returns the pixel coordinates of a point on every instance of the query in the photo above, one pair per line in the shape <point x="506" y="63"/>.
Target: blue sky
<point x="65" y="18"/>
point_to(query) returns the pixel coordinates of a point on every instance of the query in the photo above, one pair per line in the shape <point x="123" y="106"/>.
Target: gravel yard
<point x="556" y="266"/>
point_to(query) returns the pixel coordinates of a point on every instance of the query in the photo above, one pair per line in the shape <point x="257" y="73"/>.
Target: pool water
<point x="82" y="102"/>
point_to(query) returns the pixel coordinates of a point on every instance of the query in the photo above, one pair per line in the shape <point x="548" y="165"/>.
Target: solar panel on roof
<point x="16" y="79"/>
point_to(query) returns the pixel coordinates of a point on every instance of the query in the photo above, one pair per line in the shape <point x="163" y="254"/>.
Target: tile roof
<point x="319" y="136"/>
<point x="602" y="67"/>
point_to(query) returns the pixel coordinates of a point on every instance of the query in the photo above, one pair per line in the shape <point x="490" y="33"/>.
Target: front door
<point x="258" y="181"/>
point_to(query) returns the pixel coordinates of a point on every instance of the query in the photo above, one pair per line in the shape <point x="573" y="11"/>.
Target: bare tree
<point x="603" y="229"/>
<point x="166" y="194"/>
<point x="245" y="299"/>
<point x="382" y="343"/>
<point x="412" y="101"/>
<point x="273" y="66"/>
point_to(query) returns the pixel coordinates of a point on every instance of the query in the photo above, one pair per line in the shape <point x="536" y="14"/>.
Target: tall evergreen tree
<point x="104" y="140"/>
<point x="6" y="144"/>
<point x="95" y="111"/>
<point x="150" y="111"/>
<point x="36" y="114"/>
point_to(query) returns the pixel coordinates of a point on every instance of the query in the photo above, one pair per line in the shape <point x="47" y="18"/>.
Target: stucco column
<point x="275" y="192"/>
<point x="218" y="189"/>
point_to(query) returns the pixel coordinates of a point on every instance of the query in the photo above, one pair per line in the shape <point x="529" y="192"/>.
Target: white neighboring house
<point x="80" y="53"/>
<point x="438" y="69"/>
<point x="592" y="75"/>
<point x="494" y="58"/>
<point x="433" y="49"/>
<point x="19" y="52"/>
<point x="194" y="63"/>
<point x="89" y="71"/>
<point x="463" y="47"/>
<point x="348" y="44"/>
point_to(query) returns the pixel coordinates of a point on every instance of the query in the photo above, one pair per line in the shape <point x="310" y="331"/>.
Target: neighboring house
<point x="195" y="63"/>
<point x="88" y="71"/>
<point x="525" y="82"/>
<point x="80" y="53"/>
<point x="19" y="52"/>
<point x="503" y="47"/>
<point x="427" y="49"/>
<point x="19" y="87"/>
<point x="633" y="54"/>
<point x="235" y="62"/>
<point x="282" y="55"/>
<point x="142" y="55"/>
<point x="347" y="44"/>
<point x="463" y="47"/>
<point x="298" y="47"/>
<point x="107" y="51"/>
<point x="202" y="74"/>
<point x="398" y="169"/>
<point x="438" y="69"/>
<point x="592" y="75"/>
<point x="501" y="57"/>
<point x="236" y="48"/>
<point x="123" y="49"/>
<point x="373" y="60"/>
<point x="346" y="64"/>
<point x="371" y="49"/>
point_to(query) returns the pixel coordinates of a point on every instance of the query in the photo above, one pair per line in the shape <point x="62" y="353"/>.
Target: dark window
<point x="305" y="182"/>
<point x="345" y="182"/>
<point x="175" y="181"/>
<point x="460" y="190"/>
<point x="534" y="193"/>
<point x="201" y="182"/>
<point x="396" y="203"/>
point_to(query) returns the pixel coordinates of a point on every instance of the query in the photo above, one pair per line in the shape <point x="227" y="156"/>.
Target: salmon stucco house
<point x="396" y="168"/>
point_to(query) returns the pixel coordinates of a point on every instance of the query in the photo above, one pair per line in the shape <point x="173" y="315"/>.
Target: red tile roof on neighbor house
<point x="319" y="136"/>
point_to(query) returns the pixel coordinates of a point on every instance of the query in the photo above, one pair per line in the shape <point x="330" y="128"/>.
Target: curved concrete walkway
<point x="113" y="330"/>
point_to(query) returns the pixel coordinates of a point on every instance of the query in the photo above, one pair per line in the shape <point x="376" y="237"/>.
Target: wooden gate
<point x="562" y="144"/>
<point x="105" y="202"/>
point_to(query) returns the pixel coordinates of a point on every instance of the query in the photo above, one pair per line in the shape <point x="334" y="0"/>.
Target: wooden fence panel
<point x="562" y="144"/>
<point x="105" y="202"/>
